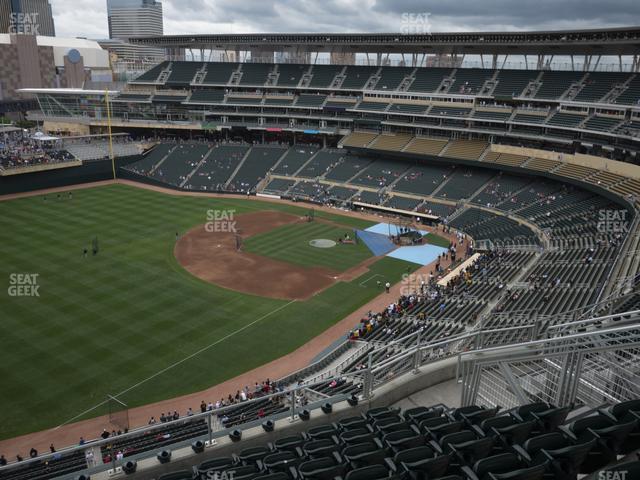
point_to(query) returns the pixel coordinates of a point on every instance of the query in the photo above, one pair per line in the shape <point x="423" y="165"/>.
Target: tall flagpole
<point x="113" y="161"/>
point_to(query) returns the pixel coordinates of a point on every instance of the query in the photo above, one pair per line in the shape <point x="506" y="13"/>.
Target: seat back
<point x="371" y="472"/>
<point x="179" y="475"/>
<point x="352" y="422"/>
<point x="413" y="455"/>
<point x="517" y="433"/>
<point x="288" y="443"/>
<point x="320" y="448"/>
<point x="357" y="435"/>
<point x="276" y="461"/>
<point x="551" y="419"/>
<point x="430" y="467"/>
<point x="621" y="409"/>
<point x="501" y="421"/>
<point x="249" y="455"/>
<point x="457" y="437"/>
<point x="504" y="462"/>
<point x="548" y="441"/>
<point x="321" y="469"/>
<point x="474" y="450"/>
<point x="273" y="476"/>
<point x="242" y="473"/>
<point x="221" y="463"/>
<point x="403" y="439"/>
<point x="524" y="411"/>
<point x="531" y="473"/>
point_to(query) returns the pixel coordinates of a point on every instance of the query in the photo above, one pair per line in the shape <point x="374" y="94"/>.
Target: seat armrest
<point x="567" y="433"/>
<point x="547" y="454"/>
<point x="517" y="417"/>
<point x="522" y="453"/>
<point x="606" y="413"/>
<point x="391" y="464"/>
<point x="595" y="434"/>
<point x="478" y="431"/>
<point x="435" y="446"/>
<point x="293" y="473"/>
<point x="469" y="474"/>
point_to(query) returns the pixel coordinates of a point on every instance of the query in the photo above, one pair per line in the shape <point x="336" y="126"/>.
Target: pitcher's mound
<point x="322" y="243"/>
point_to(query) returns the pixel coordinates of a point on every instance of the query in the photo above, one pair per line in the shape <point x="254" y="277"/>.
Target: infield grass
<point x="290" y="243"/>
<point x="106" y="323"/>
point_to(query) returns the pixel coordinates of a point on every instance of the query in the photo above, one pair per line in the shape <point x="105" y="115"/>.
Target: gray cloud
<point x="88" y="17"/>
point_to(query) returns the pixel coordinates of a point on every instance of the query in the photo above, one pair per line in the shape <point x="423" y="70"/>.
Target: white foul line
<point x="179" y="362"/>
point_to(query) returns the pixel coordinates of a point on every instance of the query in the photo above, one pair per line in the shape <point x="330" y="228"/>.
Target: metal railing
<point x="588" y="368"/>
<point x="584" y="362"/>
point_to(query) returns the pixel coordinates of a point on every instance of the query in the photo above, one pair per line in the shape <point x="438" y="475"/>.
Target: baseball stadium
<point x="417" y="260"/>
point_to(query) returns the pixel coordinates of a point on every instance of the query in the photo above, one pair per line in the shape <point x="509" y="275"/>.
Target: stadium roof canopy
<point x="609" y="41"/>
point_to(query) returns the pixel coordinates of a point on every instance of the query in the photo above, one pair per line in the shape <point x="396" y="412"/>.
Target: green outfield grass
<point x="104" y="324"/>
<point x="290" y="243"/>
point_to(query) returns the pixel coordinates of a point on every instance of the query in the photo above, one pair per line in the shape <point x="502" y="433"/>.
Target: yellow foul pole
<point x="113" y="160"/>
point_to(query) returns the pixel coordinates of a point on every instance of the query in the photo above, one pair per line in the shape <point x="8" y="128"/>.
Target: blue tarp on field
<point x="377" y="243"/>
<point x="420" y="254"/>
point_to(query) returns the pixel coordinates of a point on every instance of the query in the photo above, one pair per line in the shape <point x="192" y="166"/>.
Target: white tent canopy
<point x="42" y="137"/>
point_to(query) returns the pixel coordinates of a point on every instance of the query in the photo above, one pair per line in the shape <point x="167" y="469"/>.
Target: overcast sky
<point x="88" y="18"/>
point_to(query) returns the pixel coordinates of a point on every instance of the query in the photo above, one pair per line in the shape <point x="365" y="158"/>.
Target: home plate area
<point x="377" y="239"/>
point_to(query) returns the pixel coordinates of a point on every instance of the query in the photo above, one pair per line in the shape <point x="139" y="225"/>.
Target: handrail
<point x="546" y="341"/>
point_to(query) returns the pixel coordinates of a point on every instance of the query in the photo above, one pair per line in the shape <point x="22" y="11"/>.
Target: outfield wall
<point x="89" y="172"/>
